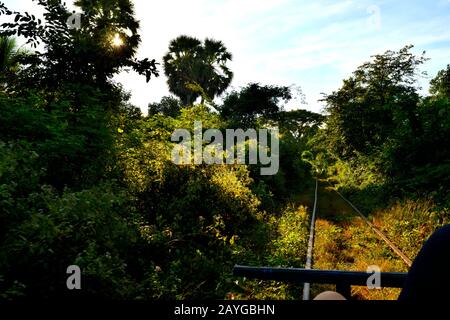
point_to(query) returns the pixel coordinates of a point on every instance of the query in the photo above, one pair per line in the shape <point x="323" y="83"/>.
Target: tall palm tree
<point x="217" y="75"/>
<point x="179" y="67"/>
<point x="197" y="69"/>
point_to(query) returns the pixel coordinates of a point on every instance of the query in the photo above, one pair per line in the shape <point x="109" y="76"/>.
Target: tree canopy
<point x="440" y="85"/>
<point x="245" y="106"/>
<point x="168" y="106"/>
<point x="85" y="55"/>
<point x="364" y="110"/>
<point x="194" y="68"/>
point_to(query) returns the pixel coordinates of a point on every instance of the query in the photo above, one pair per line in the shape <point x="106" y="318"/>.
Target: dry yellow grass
<point x="345" y="242"/>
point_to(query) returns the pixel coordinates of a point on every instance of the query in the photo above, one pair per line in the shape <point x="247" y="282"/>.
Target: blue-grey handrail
<point x="343" y="279"/>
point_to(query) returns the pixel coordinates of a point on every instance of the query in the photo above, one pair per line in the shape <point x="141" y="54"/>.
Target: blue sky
<point x="311" y="44"/>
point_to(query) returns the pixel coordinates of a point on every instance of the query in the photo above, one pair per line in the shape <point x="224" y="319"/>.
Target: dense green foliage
<point x="387" y="148"/>
<point x="440" y="85"/>
<point x="380" y="131"/>
<point x="168" y="106"/>
<point x="114" y="204"/>
<point x="243" y="108"/>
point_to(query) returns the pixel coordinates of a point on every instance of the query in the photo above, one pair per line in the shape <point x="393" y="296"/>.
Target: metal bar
<point x="345" y="289"/>
<point x="309" y="254"/>
<point x="355" y="278"/>
<point x="379" y="233"/>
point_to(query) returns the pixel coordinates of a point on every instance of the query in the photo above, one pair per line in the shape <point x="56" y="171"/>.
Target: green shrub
<point x="91" y="228"/>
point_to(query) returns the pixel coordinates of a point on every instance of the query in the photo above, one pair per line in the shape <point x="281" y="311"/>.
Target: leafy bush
<point x="91" y="228"/>
<point x="292" y="243"/>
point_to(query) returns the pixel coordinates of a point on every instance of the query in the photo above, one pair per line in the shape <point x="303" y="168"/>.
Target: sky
<point x="313" y="45"/>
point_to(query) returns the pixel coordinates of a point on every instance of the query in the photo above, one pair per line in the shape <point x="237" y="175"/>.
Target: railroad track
<point x="391" y="245"/>
<point x="342" y="279"/>
<point x="310" y="250"/>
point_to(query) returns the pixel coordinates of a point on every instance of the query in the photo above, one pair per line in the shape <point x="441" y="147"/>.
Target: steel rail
<point x="391" y="245"/>
<point x="309" y="254"/>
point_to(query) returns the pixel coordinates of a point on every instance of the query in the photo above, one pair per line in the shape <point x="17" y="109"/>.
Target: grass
<point x="344" y="242"/>
<point x="285" y="245"/>
<point x="409" y="223"/>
